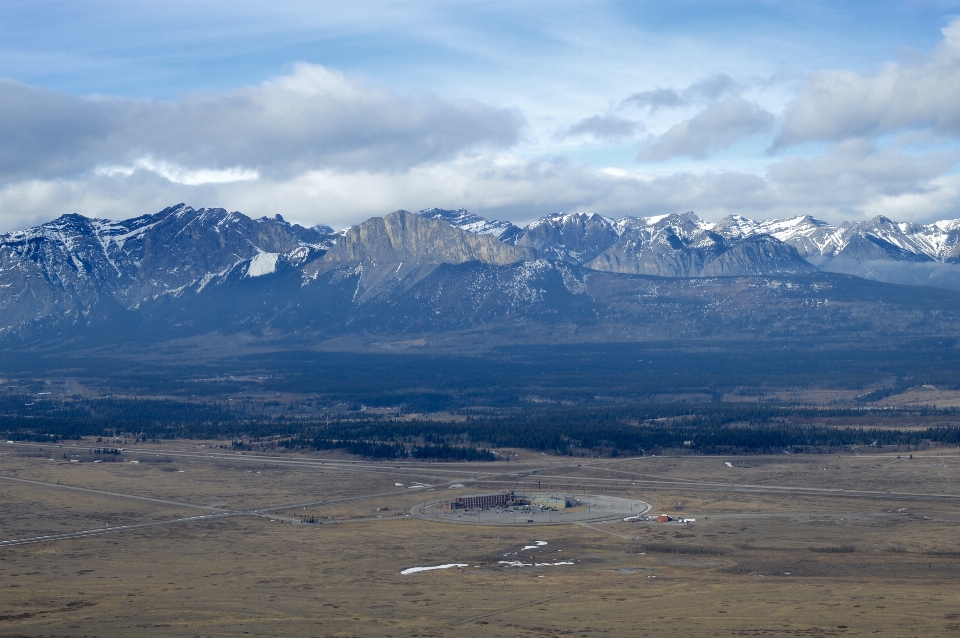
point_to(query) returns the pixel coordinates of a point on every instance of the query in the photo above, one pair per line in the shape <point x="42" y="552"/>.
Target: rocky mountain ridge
<point x="62" y="271"/>
<point x="683" y="245"/>
<point x="191" y="267"/>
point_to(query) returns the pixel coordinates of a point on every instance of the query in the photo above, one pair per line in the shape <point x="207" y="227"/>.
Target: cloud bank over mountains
<point x="313" y="118"/>
<point x="717" y="127"/>
<point x="319" y="145"/>
<point x="902" y="96"/>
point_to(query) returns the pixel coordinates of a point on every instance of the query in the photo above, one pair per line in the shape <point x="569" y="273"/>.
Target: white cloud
<point x="836" y="105"/>
<point x="717" y="127"/>
<point x="605" y="127"/>
<point x="855" y="175"/>
<point x="318" y="146"/>
<point x="853" y="180"/>
<point x="181" y="175"/>
<point x="708" y="89"/>
<point x="314" y="117"/>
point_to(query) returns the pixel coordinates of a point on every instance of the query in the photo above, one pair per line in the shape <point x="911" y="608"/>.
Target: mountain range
<point x="186" y="272"/>
<point x="878" y="249"/>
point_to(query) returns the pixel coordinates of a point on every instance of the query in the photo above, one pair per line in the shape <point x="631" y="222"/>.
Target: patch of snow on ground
<point x="262" y="264"/>
<point x="728" y="464"/>
<point x="517" y="563"/>
<point x="414" y="570"/>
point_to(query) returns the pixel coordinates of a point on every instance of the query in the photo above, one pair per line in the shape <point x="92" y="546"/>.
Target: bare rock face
<point x="663" y="250"/>
<point x="952" y="249"/>
<point x="676" y="245"/>
<point x="184" y="245"/>
<point x="575" y="238"/>
<point x="760" y="255"/>
<point x="684" y="246"/>
<point x="403" y="237"/>
<point x="59" y="272"/>
<point x="73" y="269"/>
<point x="880" y="249"/>
<point x="506" y="232"/>
<point x="399" y="250"/>
<point x="192" y="270"/>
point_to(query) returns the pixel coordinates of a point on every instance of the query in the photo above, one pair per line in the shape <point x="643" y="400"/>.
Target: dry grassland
<point x="924" y="395"/>
<point x="31" y="511"/>
<point x="765" y="557"/>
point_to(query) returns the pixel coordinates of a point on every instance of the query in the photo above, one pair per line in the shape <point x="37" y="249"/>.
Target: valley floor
<point x="199" y="541"/>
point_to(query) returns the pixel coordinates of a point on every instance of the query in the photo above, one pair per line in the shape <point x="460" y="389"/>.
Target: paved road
<point x="221" y="513"/>
<point x="333" y="521"/>
<point x="555" y="482"/>
<point x="113" y="530"/>
<point x="345" y="499"/>
<point x="114" y="494"/>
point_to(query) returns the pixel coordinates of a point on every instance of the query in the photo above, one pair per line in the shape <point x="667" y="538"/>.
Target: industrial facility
<point x="482" y="501"/>
<point x="537" y="508"/>
<point x="557" y="502"/>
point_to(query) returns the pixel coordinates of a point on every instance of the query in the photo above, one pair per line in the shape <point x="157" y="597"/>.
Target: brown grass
<point x="250" y="576"/>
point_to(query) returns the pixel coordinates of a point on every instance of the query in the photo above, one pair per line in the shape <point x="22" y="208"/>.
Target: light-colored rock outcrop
<point x="408" y="238"/>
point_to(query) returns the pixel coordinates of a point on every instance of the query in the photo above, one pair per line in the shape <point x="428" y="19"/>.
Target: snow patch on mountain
<point x="66" y="269"/>
<point x="524" y="289"/>
<point x="882" y="237"/>
<point x="465" y="220"/>
<point x="263" y="263"/>
<point x="566" y="218"/>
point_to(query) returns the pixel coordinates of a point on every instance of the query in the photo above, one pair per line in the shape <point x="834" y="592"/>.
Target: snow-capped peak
<point x="463" y="219"/>
<point x="813" y="237"/>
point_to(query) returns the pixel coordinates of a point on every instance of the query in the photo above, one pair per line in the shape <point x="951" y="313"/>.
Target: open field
<point x="925" y="395"/>
<point x="780" y="547"/>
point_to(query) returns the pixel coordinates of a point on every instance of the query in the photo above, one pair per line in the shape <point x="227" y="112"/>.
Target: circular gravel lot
<point x="587" y="508"/>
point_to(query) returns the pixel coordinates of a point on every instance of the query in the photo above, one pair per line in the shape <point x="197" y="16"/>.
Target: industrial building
<point x="556" y="502"/>
<point x="482" y="501"/>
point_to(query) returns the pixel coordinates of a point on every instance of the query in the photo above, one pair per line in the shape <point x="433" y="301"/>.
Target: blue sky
<point x="330" y="112"/>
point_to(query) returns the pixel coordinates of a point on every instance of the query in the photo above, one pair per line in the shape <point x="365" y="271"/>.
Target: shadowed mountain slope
<point x="185" y="273"/>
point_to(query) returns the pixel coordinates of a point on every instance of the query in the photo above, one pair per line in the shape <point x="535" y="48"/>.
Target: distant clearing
<point x="924" y="395"/>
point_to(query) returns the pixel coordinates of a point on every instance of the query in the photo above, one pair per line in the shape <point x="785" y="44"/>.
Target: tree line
<point x="703" y="428"/>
